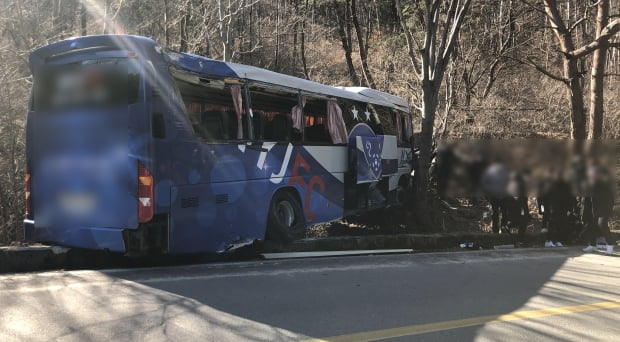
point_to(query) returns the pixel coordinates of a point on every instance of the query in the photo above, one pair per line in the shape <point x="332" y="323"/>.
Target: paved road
<point x="527" y="295"/>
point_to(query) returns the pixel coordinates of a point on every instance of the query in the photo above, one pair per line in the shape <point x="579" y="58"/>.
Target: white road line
<point x="295" y="255"/>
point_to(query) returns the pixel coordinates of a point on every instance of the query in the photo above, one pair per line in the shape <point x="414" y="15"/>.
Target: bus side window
<point x="215" y="109"/>
<point x="315" y="121"/>
<point x="357" y="112"/>
<point x="375" y="121"/>
<point x="406" y="129"/>
<point x="273" y="115"/>
<point x="387" y="120"/>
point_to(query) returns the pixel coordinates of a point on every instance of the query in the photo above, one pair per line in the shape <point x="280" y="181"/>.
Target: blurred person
<point x="581" y="218"/>
<point x="444" y="163"/>
<point x="475" y="169"/>
<point x="599" y="206"/>
<point x="519" y="214"/>
<point x="590" y="228"/>
<point x="542" y="201"/>
<point x="560" y="203"/>
<point x="494" y="183"/>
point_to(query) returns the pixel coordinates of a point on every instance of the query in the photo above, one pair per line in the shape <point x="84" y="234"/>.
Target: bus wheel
<point x="286" y="218"/>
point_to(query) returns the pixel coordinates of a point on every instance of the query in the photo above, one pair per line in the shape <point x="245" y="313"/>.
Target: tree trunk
<point x="166" y="16"/>
<point x="83" y="19"/>
<point x="184" y="21"/>
<point x="491" y="78"/>
<point x="597" y="78"/>
<point x="344" y="30"/>
<point x="570" y="70"/>
<point x="276" y="62"/>
<point x="302" y="47"/>
<point x="295" y="39"/>
<point x="370" y="82"/>
<point x="441" y="29"/>
<point x="575" y="92"/>
<point x="225" y="19"/>
<point x="426" y="144"/>
<point x="105" y="17"/>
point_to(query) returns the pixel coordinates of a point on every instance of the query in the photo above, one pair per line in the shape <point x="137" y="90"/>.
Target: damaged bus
<point x="134" y="148"/>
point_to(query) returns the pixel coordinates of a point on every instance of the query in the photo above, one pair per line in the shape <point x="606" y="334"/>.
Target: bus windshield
<point x="89" y="83"/>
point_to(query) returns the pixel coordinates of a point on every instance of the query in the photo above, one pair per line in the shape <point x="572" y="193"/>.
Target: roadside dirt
<point x="460" y="215"/>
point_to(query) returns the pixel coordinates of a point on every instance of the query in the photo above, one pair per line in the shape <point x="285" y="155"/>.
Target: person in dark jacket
<point x="445" y="160"/>
<point x="601" y="204"/>
<point x="560" y="203"/>
<point x="507" y="193"/>
<point x="541" y="201"/>
<point x="520" y="212"/>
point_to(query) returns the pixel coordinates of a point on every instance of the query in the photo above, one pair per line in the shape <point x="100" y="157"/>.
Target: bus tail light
<point x="146" y="204"/>
<point x="27" y="181"/>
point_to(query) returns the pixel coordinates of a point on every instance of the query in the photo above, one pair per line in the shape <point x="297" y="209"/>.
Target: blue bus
<point x="133" y="148"/>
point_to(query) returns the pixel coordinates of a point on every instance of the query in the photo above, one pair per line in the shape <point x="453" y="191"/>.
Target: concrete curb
<point x="418" y="242"/>
<point x="34" y="258"/>
<point x="37" y="258"/>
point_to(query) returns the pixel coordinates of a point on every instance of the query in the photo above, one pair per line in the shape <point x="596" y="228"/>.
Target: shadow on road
<point x="296" y="299"/>
<point x="342" y="296"/>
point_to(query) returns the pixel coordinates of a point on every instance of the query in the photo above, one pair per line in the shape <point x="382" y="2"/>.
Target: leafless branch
<point x="529" y="62"/>
<point x="409" y="37"/>
<point x="594" y="4"/>
<point x="535" y="7"/>
<point x="574" y="26"/>
<point x="609" y="31"/>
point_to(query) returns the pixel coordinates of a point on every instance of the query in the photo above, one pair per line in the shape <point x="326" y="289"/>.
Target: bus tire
<point x="286" y="221"/>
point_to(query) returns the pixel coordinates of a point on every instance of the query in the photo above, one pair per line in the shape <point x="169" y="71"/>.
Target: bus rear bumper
<point x="80" y="237"/>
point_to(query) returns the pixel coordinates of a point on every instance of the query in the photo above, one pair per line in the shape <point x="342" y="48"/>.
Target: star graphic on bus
<point x="354" y="111"/>
<point x="367" y="113"/>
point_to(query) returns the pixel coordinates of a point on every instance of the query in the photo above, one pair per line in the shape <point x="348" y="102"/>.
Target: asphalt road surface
<point x="521" y="295"/>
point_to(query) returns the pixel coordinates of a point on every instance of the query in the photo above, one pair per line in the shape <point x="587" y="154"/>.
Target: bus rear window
<point x="91" y="83"/>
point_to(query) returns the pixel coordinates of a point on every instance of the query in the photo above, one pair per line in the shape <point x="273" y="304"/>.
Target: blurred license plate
<point x="77" y="203"/>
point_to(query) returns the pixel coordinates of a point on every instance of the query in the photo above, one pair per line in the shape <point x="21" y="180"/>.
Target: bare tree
<point x="441" y="21"/>
<point x="344" y="31"/>
<point x="362" y="42"/>
<point x="166" y="18"/>
<point x="184" y="28"/>
<point x="83" y="19"/>
<point x="228" y="11"/>
<point x="571" y="73"/>
<point x="302" y="47"/>
<point x="225" y="18"/>
<point x="597" y="77"/>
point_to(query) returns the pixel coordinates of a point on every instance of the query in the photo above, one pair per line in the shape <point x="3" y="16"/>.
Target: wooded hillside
<point x="471" y="68"/>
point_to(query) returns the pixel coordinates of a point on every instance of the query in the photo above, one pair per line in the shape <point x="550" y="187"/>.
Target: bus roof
<point x="376" y="94"/>
<point x="211" y="67"/>
<point x="369" y="95"/>
<point x="208" y="66"/>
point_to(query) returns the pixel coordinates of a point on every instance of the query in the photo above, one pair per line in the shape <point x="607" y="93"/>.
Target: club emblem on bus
<point x="372" y="152"/>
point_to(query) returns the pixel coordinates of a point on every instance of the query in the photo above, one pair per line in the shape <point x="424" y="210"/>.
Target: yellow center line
<point x="463" y="323"/>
